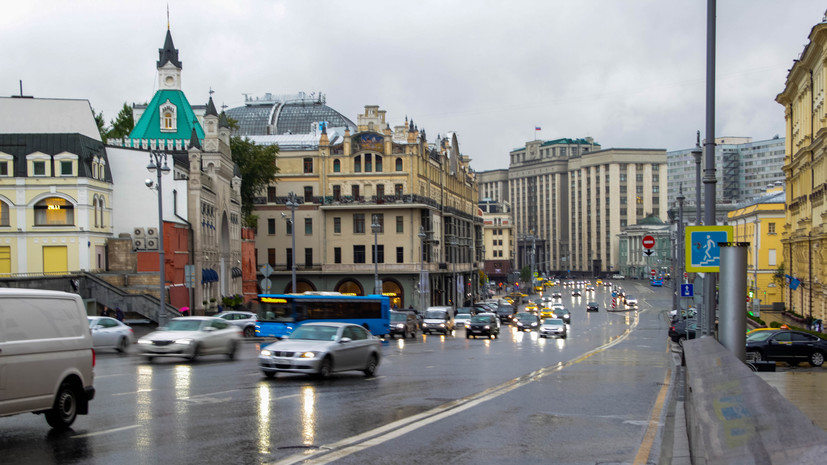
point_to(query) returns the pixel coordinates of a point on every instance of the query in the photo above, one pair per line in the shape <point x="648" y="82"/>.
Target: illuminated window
<point x="54" y="211"/>
<point x="168" y="120"/>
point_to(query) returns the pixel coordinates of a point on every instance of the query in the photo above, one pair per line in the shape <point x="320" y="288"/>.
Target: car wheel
<point x="65" y="409"/>
<point x="326" y="368"/>
<point x="249" y="331"/>
<point x="565" y="336"/>
<point x="370" y="368"/>
<point x="231" y="350"/>
<point x="196" y="351"/>
<point x="269" y="374"/>
<point x="755" y="356"/>
<point x="816" y="358"/>
<point x="123" y="345"/>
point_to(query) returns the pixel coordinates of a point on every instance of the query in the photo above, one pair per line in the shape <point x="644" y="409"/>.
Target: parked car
<point x="553" y="327"/>
<point x="244" y="320"/>
<point x="484" y="324"/>
<point x="461" y="320"/>
<point x="526" y="321"/>
<point x="109" y="333"/>
<point x="404" y="324"/>
<point x="321" y="349"/>
<point x="46" y="357"/>
<point x="786" y="345"/>
<point x="681" y="330"/>
<point x="592" y="307"/>
<point x="563" y="314"/>
<point x="191" y="337"/>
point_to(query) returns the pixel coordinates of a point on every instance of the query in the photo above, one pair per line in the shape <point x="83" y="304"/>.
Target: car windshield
<point x="481" y="319"/>
<point x="553" y="321"/>
<point x="436" y="314"/>
<point x="463" y="316"/>
<point x="184" y="325"/>
<point x="398" y="317"/>
<point x="592" y="304"/>
<point x="561" y="311"/>
<point x="505" y="310"/>
<point x="315" y="333"/>
<point x="93" y="322"/>
<point x="759" y="336"/>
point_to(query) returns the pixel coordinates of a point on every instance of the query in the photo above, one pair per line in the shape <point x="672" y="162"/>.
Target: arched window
<point x="368" y="163"/>
<point x="102" y="207"/>
<point x="399" y="164"/>
<point x="337" y="166"/>
<point x="4" y="213"/>
<point x="95" y="169"/>
<point x="95" y="208"/>
<point x="54" y="211"/>
<point x="378" y="163"/>
<point x="357" y="164"/>
<point x="168" y="120"/>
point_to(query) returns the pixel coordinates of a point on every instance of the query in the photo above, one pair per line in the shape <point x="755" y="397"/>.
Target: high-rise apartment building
<point x="570" y="199"/>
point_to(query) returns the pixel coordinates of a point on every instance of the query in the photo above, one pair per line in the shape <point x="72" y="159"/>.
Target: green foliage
<point x="757" y="320"/>
<point x="233" y="302"/>
<point x="101" y="123"/>
<point x="525" y="274"/>
<point x="778" y="276"/>
<point x="775" y="324"/>
<point x="258" y="169"/>
<point x="123" y="124"/>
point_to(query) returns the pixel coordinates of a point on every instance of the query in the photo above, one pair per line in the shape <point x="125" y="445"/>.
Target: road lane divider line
<point x="348" y="446"/>
<point x="651" y="431"/>
<point x="101" y="433"/>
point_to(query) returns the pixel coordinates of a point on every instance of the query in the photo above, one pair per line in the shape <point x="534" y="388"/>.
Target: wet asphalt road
<point x="518" y="399"/>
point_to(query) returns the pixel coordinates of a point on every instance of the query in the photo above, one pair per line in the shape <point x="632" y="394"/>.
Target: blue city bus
<point x="280" y="314"/>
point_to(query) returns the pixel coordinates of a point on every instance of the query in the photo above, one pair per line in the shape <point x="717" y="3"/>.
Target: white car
<point x="191" y="337"/>
<point x="322" y="348"/>
<point x="631" y="302"/>
<point x="109" y="333"/>
<point x="245" y="320"/>
<point x="461" y="320"/>
<point x="553" y="327"/>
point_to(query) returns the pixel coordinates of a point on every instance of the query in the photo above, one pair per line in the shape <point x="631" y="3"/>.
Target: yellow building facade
<point x="805" y="169"/>
<point x="760" y="223"/>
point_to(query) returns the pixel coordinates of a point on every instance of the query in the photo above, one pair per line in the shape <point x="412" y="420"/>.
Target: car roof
<point x="337" y="324"/>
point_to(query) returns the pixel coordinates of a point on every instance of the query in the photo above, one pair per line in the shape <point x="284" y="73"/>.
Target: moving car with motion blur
<point x="631" y="302"/>
<point x="109" y="333"/>
<point x="563" y="314"/>
<point x="553" y="327"/>
<point x="506" y="314"/>
<point x="404" y="324"/>
<point x="191" y="337"/>
<point x="461" y="320"/>
<point x="321" y="349"/>
<point x="484" y="324"/>
<point x="438" y="320"/>
<point x="681" y="330"/>
<point x="592" y="307"/>
<point x="786" y="345"/>
<point x="526" y="321"/>
<point x="244" y="320"/>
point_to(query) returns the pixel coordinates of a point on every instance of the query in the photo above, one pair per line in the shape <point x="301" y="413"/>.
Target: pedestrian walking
<point x="119" y="314"/>
<point x="105" y="311"/>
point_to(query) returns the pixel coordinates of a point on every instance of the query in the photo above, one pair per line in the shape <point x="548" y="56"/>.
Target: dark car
<point x="785" y="345"/>
<point x="505" y="313"/>
<point x="681" y="330"/>
<point x="404" y="324"/>
<point x="592" y="307"/>
<point x="563" y="314"/>
<point x="484" y="324"/>
<point x="576" y="292"/>
<point x="526" y="321"/>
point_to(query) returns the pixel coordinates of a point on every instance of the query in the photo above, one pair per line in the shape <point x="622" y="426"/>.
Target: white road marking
<point x="108" y="431"/>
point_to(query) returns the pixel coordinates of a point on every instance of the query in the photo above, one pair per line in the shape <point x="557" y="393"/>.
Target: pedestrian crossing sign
<point x="703" y="254"/>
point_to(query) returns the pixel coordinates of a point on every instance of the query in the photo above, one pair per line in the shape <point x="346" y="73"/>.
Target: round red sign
<point x="653" y="272"/>
<point x="648" y="242"/>
<point x="685" y="274"/>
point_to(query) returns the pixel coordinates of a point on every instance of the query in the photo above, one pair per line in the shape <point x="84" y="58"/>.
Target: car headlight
<point x="442" y="325"/>
<point x="183" y="341"/>
<point x="400" y="326"/>
<point x="266" y="353"/>
<point x="144" y="341"/>
<point x="424" y="325"/>
<point x="533" y="324"/>
<point x="308" y="355"/>
<point x="487" y="327"/>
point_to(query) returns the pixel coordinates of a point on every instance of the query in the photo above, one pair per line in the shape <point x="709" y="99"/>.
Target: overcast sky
<point x="629" y="73"/>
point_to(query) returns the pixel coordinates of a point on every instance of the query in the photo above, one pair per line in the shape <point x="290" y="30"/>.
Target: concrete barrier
<point x="735" y="417"/>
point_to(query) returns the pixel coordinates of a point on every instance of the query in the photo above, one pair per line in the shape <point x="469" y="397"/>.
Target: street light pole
<point x="375" y="226"/>
<point x="422" y="235"/>
<point x="292" y="204"/>
<point x="154" y="166"/>
<point x="453" y="252"/>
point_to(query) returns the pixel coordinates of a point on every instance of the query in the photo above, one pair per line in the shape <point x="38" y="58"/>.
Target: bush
<point x="775" y="324"/>
<point x="233" y="301"/>
<point x="757" y="320"/>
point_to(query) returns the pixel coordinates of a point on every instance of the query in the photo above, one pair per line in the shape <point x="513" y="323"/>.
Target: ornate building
<point x="805" y="169"/>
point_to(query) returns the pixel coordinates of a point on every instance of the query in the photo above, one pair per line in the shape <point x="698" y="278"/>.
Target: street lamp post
<point x="453" y="243"/>
<point x="375" y="227"/>
<point x="292" y="203"/>
<point x="422" y="235"/>
<point x="154" y="166"/>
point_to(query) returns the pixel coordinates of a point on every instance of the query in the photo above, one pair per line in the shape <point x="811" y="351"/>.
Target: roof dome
<point x="293" y="114"/>
<point x="650" y="219"/>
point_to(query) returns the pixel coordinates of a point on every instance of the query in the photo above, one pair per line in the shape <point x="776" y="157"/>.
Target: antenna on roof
<point x="167" y="16"/>
<point x="211" y="91"/>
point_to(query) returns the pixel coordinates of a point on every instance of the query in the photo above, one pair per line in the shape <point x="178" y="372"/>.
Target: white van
<point x="438" y="320"/>
<point x="46" y="356"/>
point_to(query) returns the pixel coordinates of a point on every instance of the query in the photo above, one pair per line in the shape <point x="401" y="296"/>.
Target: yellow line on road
<point x="651" y="431"/>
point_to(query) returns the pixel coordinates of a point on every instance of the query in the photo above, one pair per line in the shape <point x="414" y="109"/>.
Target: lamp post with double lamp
<point x="422" y="236"/>
<point x="376" y="227"/>
<point x="155" y="166"/>
<point x="292" y="203"/>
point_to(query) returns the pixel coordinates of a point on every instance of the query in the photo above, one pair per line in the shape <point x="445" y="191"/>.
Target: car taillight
<point x="93" y="358"/>
<point x="672" y="328"/>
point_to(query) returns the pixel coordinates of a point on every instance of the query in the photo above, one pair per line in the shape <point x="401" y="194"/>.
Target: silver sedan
<point x="191" y="337"/>
<point x="321" y="349"/>
<point x="109" y="333"/>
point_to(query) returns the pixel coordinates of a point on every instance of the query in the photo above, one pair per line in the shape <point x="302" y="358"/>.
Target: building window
<point x="39" y="168"/>
<point x="95" y="207"/>
<point x="54" y="211"/>
<point x="337" y="192"/>
<point x="398" y="164"/>
<point x="358" y="254"/>
<point x="400" y="255"/>
<point x="337" y="166"/>
<point x="337" y="225"/>
<point x="354" y="192"/>
<point x="380" y="192"/>
<point x="379" y="219"/>
<point x="289" y="227"/>
<point x="4" y="168"/>
<point x="308" y="226"/>
<point x="308" y="193"/>
<point x="168" y="120"/>
<point x="337" y="255"/>
<point x="397" y="190"/>
<point x="639" y="189"/>
<point x="359" y="223"/>
<point x="655" y="189"/>
<point x="308" y="165"/>
<point x="65" y="168"/>
<point x="770" y="228"/>
<point x="378" y="163"/>
<point x="271" y="194"/>
<point x="379" y="253"/>
<point x="368" y="163"/>
<point x="400" y="224"/>
<point x="271" y="256"/>
<point x="771" y="258"/>
<point x="289" y="258"/>
<point x="308" y="256"/>
<point x="639" y="177"/>
<point x="4" y="213"/>
<point x="357" y="164"/>
<point x="271" y="226"/>
<point x="622" y="178"/>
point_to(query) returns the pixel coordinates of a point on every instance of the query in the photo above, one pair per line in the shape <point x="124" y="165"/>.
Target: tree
<point x="123" y="124"/>
<point x="258" y="169"/>
<point x="525" y="275"/>
<point x="101" y="123"/>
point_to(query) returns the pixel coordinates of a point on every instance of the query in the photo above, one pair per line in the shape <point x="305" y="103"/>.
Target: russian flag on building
<point x="537" y="128"/>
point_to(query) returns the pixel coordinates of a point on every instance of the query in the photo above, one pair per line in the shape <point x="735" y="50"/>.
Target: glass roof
<point x="291" y="117"/>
